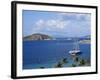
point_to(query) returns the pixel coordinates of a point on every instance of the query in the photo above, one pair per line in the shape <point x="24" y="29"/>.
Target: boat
<point x="75" y="50"/>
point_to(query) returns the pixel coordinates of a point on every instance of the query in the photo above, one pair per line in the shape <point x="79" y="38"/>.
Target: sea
<point x="47" y="53"/>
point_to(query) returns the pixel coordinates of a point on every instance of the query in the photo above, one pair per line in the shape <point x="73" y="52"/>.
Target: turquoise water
<point x="48" y="53"/>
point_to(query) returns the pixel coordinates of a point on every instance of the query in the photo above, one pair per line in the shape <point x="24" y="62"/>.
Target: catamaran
<point x="75" y="50"/>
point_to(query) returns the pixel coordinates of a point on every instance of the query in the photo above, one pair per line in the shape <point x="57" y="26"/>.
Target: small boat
<point x="75" y="50"/>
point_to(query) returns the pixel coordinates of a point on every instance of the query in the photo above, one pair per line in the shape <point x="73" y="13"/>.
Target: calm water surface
<point x="47" y="53"/>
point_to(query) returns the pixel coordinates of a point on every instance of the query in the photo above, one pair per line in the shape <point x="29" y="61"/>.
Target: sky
<point x="56" y="24"/>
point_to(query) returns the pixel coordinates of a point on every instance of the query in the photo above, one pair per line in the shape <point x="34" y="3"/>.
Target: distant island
<point x="40" y="36"/>
<point x="37" y="36"/>
<point x="87" y="40"/>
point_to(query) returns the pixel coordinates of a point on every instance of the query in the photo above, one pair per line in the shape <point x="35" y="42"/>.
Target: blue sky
<point x="56" y="24"/>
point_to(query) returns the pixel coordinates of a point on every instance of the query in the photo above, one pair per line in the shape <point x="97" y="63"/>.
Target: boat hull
<point x="75" y="52"/>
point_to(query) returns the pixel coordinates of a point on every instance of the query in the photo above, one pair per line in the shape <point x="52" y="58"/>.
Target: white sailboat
<point x="75" y="49"/>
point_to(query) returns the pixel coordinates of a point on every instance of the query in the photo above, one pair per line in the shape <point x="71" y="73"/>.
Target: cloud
<point x="51" y="24"/>
<point x="65" y="23"/>
<point x="75" y="16"/>
<point x="40" y="22"/>
<point x="58" y="24"/>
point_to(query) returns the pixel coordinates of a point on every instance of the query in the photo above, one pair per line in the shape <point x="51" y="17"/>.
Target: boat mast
<point x="76" y="44"/>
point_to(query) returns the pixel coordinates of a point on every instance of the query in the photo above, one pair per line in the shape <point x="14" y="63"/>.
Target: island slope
<point x="37" y="36"/>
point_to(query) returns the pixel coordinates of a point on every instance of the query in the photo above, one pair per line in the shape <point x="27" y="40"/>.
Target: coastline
<point x="85" y="41"/>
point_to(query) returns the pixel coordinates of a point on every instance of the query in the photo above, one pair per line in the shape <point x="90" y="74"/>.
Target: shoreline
<point x="85" y="41"/>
